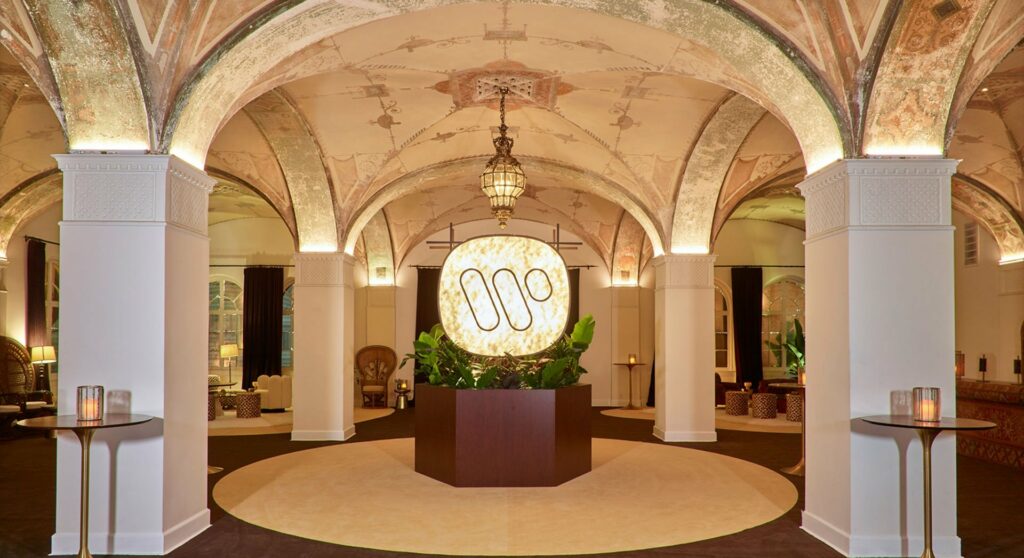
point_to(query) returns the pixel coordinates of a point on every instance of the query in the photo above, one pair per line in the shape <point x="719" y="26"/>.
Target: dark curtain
<point x="574" y="300"/>
<point x="650" y="390"/>
<point x="427" y="315"/>
<point x="261" y="322"/>
<point x="35" y="297"/>
<point x="746" y="317"/>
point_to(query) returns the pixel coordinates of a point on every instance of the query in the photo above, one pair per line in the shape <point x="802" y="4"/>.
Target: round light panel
<point x="504" y="294"/>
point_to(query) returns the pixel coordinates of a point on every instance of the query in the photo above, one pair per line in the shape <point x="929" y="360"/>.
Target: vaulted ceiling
<point x="642" y="126"/>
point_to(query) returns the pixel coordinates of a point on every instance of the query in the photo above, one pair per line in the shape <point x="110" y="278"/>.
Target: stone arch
<point x="628" y="252"/>
<point x="379" y="251"/>
<point x="579" y="179"/>
<point x="27" y="200"/>
<point x="286" y="216"/>
<point x="985" y="205"/>
<point x="762" y="68"/>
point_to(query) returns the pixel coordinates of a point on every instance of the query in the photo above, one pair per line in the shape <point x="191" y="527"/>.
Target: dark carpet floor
<point x="990" y="499"/>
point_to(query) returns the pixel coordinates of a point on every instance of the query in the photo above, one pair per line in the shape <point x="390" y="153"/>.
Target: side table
<point x="928" y="431"/>
<point x="84" y="431"/>
<point x="631" y="366"/>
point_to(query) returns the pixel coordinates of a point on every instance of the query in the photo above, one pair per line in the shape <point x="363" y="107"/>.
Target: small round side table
<point x="84" y="430"/>
<point x="401" y="398"/>
<point x="631" y="366"/>
<point x="928" y="431"/>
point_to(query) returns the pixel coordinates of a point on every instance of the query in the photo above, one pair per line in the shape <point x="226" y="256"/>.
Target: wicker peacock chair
<point x="375" y="364"/>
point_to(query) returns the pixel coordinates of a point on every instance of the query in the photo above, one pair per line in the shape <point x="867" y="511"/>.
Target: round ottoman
<point x="247" y="405"/>
<point x="764" y="405"/>
<point x="211" y="407"/>
<point x="737" y="402"/>
<point x="794" y="407"/>
<point x="227" y="400"/>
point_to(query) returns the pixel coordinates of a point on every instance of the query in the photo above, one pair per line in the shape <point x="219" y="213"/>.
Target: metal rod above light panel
<point x="451" y="243"/>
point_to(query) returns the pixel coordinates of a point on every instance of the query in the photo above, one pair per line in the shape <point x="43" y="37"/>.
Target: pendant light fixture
<point x="503" y="179"/>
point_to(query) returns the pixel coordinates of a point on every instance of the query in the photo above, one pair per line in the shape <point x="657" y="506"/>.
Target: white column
<point x="879" y="255"/>
<point x="684" y="348"/>
<point x="134" y="263"/>
<point x="323" y="382"/>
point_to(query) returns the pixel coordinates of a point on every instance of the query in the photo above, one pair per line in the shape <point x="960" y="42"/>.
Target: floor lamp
<point x="43" y="355"/>
<point x="229" y="351"/>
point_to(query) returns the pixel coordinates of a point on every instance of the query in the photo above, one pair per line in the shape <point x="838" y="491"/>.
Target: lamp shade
<point x="229" y="350"/>
<point x="43" y="354"/>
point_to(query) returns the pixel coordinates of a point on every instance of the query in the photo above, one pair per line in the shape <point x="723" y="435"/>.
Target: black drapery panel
<point x="746" y="318"/>
<point x="427" y="314"/>
<point x="650" y="390"/>
<point x="35" y="296"/>
<point x="574" y="300"/>
<point x="261" y="322"/>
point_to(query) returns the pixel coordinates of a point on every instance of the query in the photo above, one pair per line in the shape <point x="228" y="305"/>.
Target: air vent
<point x="971" y="243"/>
<point x="945" y="8"/>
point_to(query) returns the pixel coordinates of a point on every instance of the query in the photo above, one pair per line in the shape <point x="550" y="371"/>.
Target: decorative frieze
<point x="134" y="188"/>
<point x="886" y="193"/>
<point x="324" y="269"/>
<point x="684" y="271"/>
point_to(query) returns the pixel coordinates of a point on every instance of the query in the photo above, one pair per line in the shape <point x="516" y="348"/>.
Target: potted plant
<point x="502" y="421"/>
<point x="793" y="347"/>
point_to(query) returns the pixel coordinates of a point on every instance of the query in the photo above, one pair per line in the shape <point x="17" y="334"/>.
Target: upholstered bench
<point x="737" y="403"/>
<point x="764" y="405"/>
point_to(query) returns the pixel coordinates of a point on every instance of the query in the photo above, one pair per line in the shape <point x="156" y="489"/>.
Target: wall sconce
<point x="90" y="403"/>
<point x="927" y="404"/>
<point x="1016" y="369"/>
<point x="983" y="366"/>
<point x="960" y="367"/>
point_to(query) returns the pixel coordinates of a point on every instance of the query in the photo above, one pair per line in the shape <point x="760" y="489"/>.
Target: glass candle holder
<point x="927" y="404"/>
<point x="90" y="403"/>
<point x="632" y="358"/>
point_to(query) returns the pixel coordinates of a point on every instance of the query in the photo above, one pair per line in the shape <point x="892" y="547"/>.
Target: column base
<point x="323" y="435"/>
<point x="133" y="543"/>
<point x="843" y="543"/>
<point x="685" y="435"/>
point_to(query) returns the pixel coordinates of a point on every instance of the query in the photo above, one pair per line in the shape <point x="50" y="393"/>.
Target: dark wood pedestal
<point x="503" y="437"/>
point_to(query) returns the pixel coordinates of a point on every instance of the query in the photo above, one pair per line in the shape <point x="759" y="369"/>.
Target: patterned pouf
<point x="227" y="400"/>
<point x="211" y="407"/>
<point x="247" y="405"/>
<point x="737" y="402"/>
<point x="764" y="406"/>
<point x="794" y="407"/>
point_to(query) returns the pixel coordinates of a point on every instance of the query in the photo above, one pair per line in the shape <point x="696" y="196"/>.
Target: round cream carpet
<point x="275" y="423"/>
<point x="638" y="496"/>
<point x="778" y="425"/>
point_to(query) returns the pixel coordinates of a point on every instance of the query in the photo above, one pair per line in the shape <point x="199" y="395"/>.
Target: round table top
<point x="222" y="385"/>
<point x="945" y="423"/>
<point x="71" y="422"/>
<point x="629" y="363"/>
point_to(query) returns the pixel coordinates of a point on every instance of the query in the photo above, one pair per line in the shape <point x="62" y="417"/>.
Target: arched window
<point x="225" y="319"/>
<point x="288" y="328"/>
<point x="782" y="304"/>
<point x="723" y="329"/>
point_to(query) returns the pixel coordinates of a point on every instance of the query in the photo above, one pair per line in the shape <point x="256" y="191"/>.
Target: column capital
<point x="879" y="193"/>
<point x="324" y="269"/>
<point x="134" y="188"/>
<point x="684" y="271"/>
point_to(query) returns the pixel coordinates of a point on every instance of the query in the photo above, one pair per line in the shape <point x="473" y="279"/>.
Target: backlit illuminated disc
<point x="504" y="294"/>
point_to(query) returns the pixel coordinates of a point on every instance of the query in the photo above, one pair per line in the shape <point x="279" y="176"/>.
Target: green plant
<point x="446" y="364"/>
<point x="793" y="345"/>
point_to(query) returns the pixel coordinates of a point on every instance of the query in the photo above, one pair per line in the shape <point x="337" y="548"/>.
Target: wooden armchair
<point x="375" y="364"/>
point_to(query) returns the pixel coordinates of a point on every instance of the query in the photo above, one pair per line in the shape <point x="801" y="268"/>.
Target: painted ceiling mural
<point x="642" y="127"/>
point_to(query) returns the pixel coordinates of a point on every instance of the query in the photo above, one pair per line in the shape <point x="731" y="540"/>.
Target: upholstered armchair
<point x="275" y="392"/>
<point x="374" y="365"/>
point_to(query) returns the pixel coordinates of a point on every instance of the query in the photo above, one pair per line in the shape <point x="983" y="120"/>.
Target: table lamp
<point x="44" y="355"/>
<point x="229" y="351"/>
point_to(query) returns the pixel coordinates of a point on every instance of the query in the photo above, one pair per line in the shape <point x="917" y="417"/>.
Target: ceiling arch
<point x="23" y="202"/>
<point x="542" y="173"/>
<point x="380" y="256"/>
<point x="631" y="252"/>
<point x="705" y="173"/>
<point x="990" y="209"/>
<point x="716" y="45"/>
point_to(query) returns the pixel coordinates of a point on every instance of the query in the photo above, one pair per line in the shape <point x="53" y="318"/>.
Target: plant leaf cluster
<point x="793" y="345"/>
<point x="444" y="363"/>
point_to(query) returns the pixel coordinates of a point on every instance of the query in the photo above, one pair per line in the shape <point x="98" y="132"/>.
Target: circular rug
<point x="722" y="421"/>
<point x="638" y="496"/>
<point x="275" y="423"/>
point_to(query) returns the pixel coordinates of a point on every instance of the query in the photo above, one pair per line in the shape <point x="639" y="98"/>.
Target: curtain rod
<point x="246" y="265"/>
<point x="439" y="267"/>
<point x="764" y="265"/>
<point x="27" y="238"/>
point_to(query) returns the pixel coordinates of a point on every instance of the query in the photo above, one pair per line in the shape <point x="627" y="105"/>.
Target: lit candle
<point x="90" y="403"/>
<point x="927" y="405"/>
<point x="632" y="358"/>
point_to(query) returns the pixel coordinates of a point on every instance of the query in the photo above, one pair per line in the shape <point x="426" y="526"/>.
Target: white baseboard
<point x="323" y="435"/>
<point x="685" y="435"/>
<point x="892" y="545"/>
<point x="148" y="544"/>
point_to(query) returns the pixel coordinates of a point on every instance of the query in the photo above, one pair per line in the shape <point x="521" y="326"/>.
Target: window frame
<point x="221" y="313"/>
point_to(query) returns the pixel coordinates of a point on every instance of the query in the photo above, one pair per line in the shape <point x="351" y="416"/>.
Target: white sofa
<point x="275" y="392"/>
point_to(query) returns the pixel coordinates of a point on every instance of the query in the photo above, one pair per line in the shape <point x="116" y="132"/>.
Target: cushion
<point x="35" y="404"/>
<point x="6" y="409"/>
<point x="373" y="388"/>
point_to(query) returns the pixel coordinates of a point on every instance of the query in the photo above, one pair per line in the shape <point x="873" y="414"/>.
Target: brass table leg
<point x="85" y="440"/>
<point x="798" y="469"/>
<point x="927" y="437"/>
<point x="629" y="404"/>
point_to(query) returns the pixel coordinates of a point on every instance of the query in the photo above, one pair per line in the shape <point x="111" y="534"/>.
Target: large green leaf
<point x="551" y="375"/>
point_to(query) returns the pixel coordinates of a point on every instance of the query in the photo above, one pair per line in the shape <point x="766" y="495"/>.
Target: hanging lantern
<point x="503" y="179"/>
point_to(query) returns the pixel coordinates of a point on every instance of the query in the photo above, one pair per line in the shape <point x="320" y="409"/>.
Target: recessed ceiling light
<point x="984" y="89"/>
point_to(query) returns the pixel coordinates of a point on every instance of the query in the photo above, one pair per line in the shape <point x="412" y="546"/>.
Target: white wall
<point x="989" y="306"/>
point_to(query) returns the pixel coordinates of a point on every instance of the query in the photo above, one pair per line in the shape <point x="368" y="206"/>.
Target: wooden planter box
<point x="503" y="437"/>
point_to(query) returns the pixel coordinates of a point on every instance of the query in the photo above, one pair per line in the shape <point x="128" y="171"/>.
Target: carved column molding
<point x="324" y="269"/>
<point x="684" y="271"/>
<point x="135" y="188"/>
